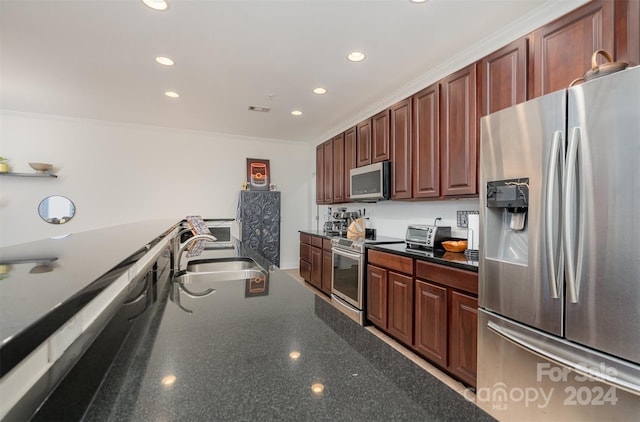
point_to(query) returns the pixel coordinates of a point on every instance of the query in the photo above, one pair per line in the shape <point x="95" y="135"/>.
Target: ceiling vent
<point x="259" y="109"/>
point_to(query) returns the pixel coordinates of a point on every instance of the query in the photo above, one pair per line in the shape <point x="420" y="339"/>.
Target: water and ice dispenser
<point x="506" y="220"/>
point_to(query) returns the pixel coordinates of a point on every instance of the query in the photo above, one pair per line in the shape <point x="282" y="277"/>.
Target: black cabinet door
<point x="259" y="214"/>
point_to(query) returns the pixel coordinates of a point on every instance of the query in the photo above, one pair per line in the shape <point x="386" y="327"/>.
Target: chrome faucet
<point x="208" y="237"/>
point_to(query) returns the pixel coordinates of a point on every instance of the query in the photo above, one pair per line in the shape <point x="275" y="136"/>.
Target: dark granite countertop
<point x="240" y="356"/>
<point x="451" y="259"/>
<point x="46" y="282"/>
<point x="320" y="233"/>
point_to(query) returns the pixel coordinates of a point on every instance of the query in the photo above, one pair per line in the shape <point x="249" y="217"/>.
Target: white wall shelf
<point x="28" y="174"/>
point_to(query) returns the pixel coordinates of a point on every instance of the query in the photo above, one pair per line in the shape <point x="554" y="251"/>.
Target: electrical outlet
<point x="462" y="218"/>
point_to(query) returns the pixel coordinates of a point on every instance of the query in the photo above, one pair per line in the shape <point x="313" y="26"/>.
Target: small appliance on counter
<point x="426" y="236"/>
<point x="473" y="237"/>
<point x="343" y="222"/>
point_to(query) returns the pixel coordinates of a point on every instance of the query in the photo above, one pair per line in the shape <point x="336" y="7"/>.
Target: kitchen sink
<point x="222" y="265"/>
<point x="196" y="278"/>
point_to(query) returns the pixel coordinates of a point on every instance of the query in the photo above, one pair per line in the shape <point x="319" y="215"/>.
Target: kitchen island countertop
<point x="280" y="354"/>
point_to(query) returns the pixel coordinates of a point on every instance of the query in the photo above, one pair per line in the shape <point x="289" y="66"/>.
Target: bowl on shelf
<point x="455" y="245"/>
<point x="41" y="167"/>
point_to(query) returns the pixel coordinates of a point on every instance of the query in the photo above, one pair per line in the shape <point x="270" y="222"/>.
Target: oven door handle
<point x="342" y="252"/>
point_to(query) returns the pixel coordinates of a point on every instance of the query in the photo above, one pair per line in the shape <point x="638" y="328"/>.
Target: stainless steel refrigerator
<point x="559" y="274"/>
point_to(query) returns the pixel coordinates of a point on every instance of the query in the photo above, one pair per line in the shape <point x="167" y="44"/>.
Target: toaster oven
<point x="425" y="236"/>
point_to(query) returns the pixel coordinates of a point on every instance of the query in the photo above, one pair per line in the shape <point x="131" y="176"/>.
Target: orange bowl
<point x="454" y="245"/>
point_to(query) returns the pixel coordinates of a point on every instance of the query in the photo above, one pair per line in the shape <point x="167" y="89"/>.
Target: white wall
<point x="118" y="173"/>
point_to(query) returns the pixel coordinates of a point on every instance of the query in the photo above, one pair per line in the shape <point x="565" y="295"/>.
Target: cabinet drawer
<point x="305" y="252"/>
<point x="391" y="261"/>
<point x="316" y="241"/>
<point x="305" y="238"/>
<point x="451" y="277"/>
<point x="326" y="244"/>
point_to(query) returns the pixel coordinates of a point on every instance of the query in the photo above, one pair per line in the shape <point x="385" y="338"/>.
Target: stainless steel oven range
<point x="348" y="274"/>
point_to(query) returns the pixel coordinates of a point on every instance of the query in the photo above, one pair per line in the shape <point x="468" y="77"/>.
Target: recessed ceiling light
<point x="171" y="94"/>
<point x="164" y="61"/>
<point x="319" y="91"/>
<point x="418" y="1"/>
<point x="356" y="56"/>
<point x="296" y="113"/>
<point x="156" y="4"/>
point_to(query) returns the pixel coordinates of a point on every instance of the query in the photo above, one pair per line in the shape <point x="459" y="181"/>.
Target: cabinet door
<point x="320" y="174"/>
<point x="630" y="52"/>
<point x="504" y="77"/>
<point x="400" y="312"/>
<point x="377" y="296"/>
<point x="458" y="133"/>
<point x="562" y="50"/>
<point x="305" y="270"/>
<point x="327" y="267"/>
<point x="430" y="338"/>
<point x="350" y="159"/>
<point x="400" y="138"/>
<point x="328" y="172"/>
<point x="380" y="137"/>
<point x="338" y="169"/>
<point x="463" y="337"/>
<point x="364" y="143"/>
<point x="316" y="267"/>
<point x="426" y="143"/>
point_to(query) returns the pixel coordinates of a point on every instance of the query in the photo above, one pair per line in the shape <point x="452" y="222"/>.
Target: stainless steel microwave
<point x="371" y="183"/>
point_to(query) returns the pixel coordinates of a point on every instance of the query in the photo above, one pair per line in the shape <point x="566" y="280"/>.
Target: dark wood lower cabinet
<point x="327" y="268"/>
<point x="429" y="307"/>
<point x="430" y="338"/>
<point x="400" y="302"/>
<point x="377" y="296"/>
<point x="463" y="338"/>
<point x="316" y="261"/>
<point x="316" y="267"/>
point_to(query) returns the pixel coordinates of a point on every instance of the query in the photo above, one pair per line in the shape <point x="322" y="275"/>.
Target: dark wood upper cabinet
<point x="562" y="50"/>
<point x="459" y="133"/>
<point x="504" y="77"/>
<point x="630" y="52"/>
<point x="320" y="174"/>
<point x="426" y="143"/>
<point x="380" y="137"/>
<point x="328" y="172"/>
<point x="400" y="138"/>
<point x="338" y="169"/>
<point x="364" y="143"/>
<point x="350" y="158"/>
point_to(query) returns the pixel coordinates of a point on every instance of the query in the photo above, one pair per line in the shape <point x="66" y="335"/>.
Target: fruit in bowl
<point x="454" y="245"/>
<point x="41" y="167"/>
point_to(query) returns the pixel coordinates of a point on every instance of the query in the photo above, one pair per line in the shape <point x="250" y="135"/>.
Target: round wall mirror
<point x="56" y="209"/>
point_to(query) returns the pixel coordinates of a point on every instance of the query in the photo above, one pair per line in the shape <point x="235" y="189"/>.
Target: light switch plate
<point x="462" y="219"/>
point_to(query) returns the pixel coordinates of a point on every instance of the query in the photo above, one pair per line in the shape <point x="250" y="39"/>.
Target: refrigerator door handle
<point x="569" y="184"/>
<point x="554" y="269"/>
<point x="611" y="377"/>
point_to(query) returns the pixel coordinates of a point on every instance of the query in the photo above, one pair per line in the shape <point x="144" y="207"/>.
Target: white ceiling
<point x="95" y="58"/>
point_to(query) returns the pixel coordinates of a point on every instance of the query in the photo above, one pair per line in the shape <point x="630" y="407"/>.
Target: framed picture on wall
<point x="257" y="174"/>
